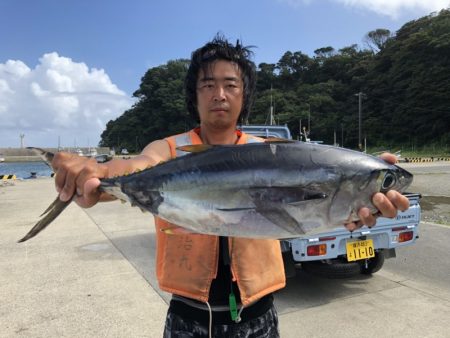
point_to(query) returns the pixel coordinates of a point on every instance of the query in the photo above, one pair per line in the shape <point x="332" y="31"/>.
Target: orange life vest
<point x="186" y="264"/>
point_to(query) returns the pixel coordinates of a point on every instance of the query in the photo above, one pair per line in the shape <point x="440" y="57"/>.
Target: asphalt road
<point x="427" y="260"/>
<point x="432" y="180"/>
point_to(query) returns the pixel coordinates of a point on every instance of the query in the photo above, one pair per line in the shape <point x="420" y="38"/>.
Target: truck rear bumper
<point x="386" y="234"/>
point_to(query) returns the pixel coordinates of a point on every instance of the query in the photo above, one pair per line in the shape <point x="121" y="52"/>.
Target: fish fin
<point x="278" y="140"/>
<point x="51" y="206"/>
<point x="280" y="217"/>
<point x="52" y="212"/>
<point x="195" y="148"/>
<point x="46" y="156"/>
<point x="292" y="196"/>
<point x="271" y="203"/>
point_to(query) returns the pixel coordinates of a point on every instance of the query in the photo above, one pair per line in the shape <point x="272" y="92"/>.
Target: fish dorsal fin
<point x="195" y="148"/>
<point x="278" y="140"/>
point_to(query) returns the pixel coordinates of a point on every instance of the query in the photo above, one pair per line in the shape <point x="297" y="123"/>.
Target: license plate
<point x="357" y="250"/>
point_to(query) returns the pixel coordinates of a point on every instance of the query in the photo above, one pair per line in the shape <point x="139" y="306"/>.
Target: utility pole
<point x="300" y="128"/>
<point x="309" y="122"/>
<point x="21" y="140"/>
<point x="360" y="97"/>
<point x="272" y="120"/>
<point x="309" y="118"/>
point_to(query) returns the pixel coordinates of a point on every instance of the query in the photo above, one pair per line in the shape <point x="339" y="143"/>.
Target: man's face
<point x="220" y="94"/>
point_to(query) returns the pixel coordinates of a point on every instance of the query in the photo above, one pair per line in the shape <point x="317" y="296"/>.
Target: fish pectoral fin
<point x="280" y="217"/>
<point x="50" y="214"/>
<point x="195" y="148"/>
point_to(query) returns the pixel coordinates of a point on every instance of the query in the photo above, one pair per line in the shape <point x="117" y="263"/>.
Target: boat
<point x="92" y="152"/>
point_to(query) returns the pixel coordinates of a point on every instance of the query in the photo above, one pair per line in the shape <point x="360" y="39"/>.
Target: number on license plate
<point x="357" y="250"/>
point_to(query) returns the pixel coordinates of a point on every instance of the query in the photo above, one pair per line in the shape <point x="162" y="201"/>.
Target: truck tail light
<point x="316" y="250"/>
<point x="405" y="236"/>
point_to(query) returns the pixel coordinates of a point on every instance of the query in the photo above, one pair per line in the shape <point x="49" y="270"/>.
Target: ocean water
<point x="24" y="169"/>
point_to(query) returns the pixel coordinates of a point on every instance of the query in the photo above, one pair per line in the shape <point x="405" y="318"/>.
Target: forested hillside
<point x="402" y="78"/>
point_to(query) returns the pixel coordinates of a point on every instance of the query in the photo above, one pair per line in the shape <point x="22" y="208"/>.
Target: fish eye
<point x="389" y="181"/>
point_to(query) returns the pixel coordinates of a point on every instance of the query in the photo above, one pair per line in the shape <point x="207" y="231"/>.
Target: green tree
<point x="408" y="86"/>
<point x="159" y="112"/>
<point x="377" y="39"/>
<point x="406" y="83"/>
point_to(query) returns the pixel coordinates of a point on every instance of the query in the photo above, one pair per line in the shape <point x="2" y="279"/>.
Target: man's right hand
<point x="78" y="176"/>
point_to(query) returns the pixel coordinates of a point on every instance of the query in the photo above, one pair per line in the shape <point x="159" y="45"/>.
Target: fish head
<point x="357" y="191"/>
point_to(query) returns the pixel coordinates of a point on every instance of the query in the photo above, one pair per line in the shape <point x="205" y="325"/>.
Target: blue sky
<point x="61" y="52"/>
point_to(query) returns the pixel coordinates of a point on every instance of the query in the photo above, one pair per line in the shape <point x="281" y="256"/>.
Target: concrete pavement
<point x="70" y="281"/>
<point x="91" y="274"/>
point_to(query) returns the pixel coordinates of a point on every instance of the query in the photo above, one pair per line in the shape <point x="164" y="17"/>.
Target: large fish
<point x="260" y="190"/>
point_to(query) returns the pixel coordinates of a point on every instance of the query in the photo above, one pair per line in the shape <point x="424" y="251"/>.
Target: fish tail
<point x="51" y="213"/>
<point x="46" y="156"/>
<point x="51" y="206"/>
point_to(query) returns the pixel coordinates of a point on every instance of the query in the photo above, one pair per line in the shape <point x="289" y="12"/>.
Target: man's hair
<point x="220" y="49"/>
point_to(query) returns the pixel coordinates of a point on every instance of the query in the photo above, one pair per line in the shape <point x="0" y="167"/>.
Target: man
<point x="222" y="286"/>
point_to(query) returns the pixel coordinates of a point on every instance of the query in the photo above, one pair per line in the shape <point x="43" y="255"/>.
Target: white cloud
<point x="394" y="8"/>
<point x="391" y="8"/>
<point x="58" y="98"/>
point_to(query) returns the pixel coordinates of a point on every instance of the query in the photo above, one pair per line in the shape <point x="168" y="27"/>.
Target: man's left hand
<point x="388" y="204"/>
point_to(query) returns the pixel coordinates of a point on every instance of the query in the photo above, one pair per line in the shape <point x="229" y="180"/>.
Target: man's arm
<point x="80" y="176"/>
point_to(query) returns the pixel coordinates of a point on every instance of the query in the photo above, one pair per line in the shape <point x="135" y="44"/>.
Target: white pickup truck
<point x="340" y="253"/>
